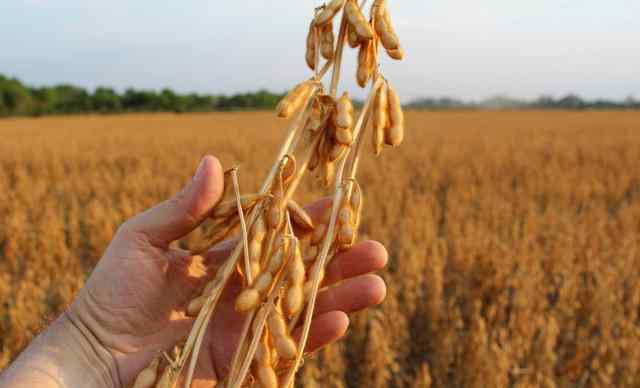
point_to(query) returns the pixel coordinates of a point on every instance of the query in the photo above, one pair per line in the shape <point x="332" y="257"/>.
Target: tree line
<point x="568" y="102"/>
<point x="17" y="99"/>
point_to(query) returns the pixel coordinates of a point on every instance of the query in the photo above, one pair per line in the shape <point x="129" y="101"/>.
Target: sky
<point x="459" y="48"/>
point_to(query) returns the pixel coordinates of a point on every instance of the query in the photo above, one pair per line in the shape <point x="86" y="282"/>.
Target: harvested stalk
<point x="281" y="277"/>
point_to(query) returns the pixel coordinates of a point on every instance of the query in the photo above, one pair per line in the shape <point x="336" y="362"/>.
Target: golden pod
<point x="394" y="133"/>
<point x="327" y="41"/>
<point x="328" y="13"/>
<point x="299" y="216"/>
<point x="247" y="300"/>
<point x="357" y="20"/>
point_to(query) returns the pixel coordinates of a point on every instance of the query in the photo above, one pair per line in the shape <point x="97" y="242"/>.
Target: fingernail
<point x="199" y="171"/>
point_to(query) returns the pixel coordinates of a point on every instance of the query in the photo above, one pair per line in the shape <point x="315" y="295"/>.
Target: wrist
<point x="65" y="355"/>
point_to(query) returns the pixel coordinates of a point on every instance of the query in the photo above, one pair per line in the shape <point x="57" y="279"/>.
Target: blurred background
<point x="511" y="213"/>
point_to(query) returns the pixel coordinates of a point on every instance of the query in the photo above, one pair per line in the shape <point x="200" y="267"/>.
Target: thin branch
<point x="243" y="226"/>
<point x="327" y="242"/>
<point x="335" y="78"/>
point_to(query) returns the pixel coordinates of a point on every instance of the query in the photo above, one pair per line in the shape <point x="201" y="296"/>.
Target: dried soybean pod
<point x="255" y="250"/>
<point x="394" y="133"/>
<point x="259" y="229"/>
<point x="275" y="211"/>
<point x="296" y="269"/>
<point x="346" y="236"/>
<point x="276" y="324"/>
<point x="388" y="37"/>
<point x="314" y="162"/>
<point x="387" y="19"/>
<point x="195" y="306"/>
<point x="311" y="253"/>
<point x="263" y="370"/>
<point x="327" y="144"/>
<point x="380" y="118"/>
<point x="310" y="52"/>
<point x="228" y="208"/>
<point x="263" y="282"/>
<point x="357" y="20"/>
<point x="299" y="216"/>
<point x="344" y="136"/>
<point x="327" y="41"/>
<point x="294" y="299"/>
<point x="397" y="54"/>
<point x="267" y="376"/>
<point x="292" y="101"/>
<point x="247" y="300"/>
<point x="318" y="234"/>
<point x="345" y="215"/>
<point x="263" y="351"/>
<point x="315" y="120"/>
<point x="352" y="37"/>
<point x="285" y="346"/>
<point x="167" y="378"/>
<point x="344" y="112"/>
<point x="365" y="60"/>
<point x="343" y="121"/>
<point x="337" y="151"/>
<point x="148" y="376"/>
<point x="289" y="169"/>
<point x="329" y="11"/>
<point x="328" y="173"/>
<point x="276" y="260"/>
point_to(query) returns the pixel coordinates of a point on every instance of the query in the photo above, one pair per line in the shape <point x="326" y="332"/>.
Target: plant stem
<point x="202" y="321"/>
<point x="328" y="241"/>
<point x="261" y="317"/>
<point x="243" y="226"/>
<point x="335" y="78"/>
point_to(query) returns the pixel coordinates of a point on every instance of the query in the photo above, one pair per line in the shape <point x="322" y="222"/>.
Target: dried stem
<point x="335" y="78"/>
<point x="241" y="346"/>
<point x="306" y="113"/>
<point x="243" y="226"/>
<point x="355" y="159"/>
<point x="261" y="318"/>
<point x="328" y="240"/>
<point x="227" y="269"/>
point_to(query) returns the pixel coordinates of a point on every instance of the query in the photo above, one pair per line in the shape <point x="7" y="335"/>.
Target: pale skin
<point x="132" y="306"/>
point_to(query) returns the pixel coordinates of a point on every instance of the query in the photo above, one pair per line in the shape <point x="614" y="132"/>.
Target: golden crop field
<point x="513" y="236"/>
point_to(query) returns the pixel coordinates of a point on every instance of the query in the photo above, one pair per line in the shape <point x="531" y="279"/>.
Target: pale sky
<point x="459" y="48"/>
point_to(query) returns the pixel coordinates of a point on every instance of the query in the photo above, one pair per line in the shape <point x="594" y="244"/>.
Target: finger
<point x="325" y="329"/>
<point x="217" y="254"/>
<point x="318" y="209"/>
<point x="362" y="258"/>
<point x="173" y="219"/>
<point x="352" y="295"/>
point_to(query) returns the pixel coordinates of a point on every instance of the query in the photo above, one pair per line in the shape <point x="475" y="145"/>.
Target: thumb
<point x="176" y="217"/>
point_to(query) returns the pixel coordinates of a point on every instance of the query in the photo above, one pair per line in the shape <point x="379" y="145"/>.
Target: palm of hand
<point x="134" y="301"/>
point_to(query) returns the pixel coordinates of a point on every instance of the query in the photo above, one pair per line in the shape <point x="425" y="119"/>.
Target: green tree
<point x="106" y="100"/>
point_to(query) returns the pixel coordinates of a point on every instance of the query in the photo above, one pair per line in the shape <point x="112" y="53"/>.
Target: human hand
<point x="133" y="304"/>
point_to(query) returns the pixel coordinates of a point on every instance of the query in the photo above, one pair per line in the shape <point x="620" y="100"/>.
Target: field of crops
<point x="513" y="236"/>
